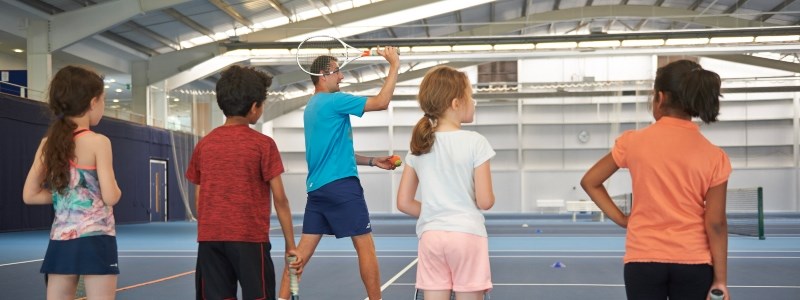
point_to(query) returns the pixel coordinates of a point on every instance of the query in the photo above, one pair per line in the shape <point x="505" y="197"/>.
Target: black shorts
<point x="220" y="265"/>
<point x="651" y="281"/>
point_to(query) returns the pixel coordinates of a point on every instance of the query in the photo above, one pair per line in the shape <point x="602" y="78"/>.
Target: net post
<point x="761" y="235"/>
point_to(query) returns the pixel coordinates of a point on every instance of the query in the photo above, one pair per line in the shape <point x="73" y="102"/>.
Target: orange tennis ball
<point x="395" y="159"/>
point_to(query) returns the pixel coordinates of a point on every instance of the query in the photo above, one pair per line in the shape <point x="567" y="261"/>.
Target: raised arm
<point x="717" y="231"/>
<point x="33" y="192"/>
<point x="381" y="101"/>
<point x="592" y="183"/>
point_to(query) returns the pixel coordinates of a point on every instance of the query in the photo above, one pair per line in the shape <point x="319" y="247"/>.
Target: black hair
<point x="320" y="66"/>
<point x="240" y="87"/>
<point x="690" y="88"/>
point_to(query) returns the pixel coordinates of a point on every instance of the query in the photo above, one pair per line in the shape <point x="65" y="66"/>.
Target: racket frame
<point x="348" y="52"/>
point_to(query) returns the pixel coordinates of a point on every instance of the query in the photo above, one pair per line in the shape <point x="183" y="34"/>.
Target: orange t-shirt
<point x="672" y="166"/>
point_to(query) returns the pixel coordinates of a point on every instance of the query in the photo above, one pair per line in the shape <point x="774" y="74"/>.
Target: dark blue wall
<point x="24" y="122"/>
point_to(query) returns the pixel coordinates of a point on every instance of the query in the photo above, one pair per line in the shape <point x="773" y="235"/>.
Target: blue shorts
<point x="91" y="255"/>
<point x="337" y="208"/>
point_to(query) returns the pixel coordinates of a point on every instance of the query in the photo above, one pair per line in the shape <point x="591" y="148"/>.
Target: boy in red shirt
<point x="236" y="168"/>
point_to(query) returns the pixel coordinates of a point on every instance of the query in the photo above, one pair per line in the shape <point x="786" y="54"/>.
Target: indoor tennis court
<point x="555" y="83"/>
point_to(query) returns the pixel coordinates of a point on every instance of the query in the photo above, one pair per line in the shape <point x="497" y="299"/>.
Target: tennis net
<point x="745" y="211"/>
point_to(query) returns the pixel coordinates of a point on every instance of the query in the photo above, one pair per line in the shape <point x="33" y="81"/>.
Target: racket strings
<point x="309" y="52"/>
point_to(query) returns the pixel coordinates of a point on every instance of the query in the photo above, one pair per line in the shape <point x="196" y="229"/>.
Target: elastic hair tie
<point x="429" y="116"/>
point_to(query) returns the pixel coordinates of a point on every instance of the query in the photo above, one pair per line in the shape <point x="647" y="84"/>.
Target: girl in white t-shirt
<point x="450" y="169"/>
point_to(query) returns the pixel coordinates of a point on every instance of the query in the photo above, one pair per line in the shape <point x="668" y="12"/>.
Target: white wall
<point x="8" y="62"/>
<point x="539" y="154"/>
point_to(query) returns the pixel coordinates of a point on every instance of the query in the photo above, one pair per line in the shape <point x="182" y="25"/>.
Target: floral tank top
<point x="80" y="210"/>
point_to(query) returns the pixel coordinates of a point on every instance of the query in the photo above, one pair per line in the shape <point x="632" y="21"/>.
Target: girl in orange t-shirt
<point x="677" y="238"/>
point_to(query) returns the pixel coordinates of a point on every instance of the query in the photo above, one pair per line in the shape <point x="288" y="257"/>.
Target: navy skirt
<point x="91" y="255"/>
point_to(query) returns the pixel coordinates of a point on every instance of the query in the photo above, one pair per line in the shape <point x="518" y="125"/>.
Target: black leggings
<point x="659" y="281"/>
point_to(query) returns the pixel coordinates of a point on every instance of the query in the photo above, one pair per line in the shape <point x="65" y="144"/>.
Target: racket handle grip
<point x="716" y="295"/>
<point x="293" y="287"/>
<point x="373" y="52"/>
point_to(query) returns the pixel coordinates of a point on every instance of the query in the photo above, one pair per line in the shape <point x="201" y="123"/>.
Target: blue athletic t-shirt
<point x="329" y="137"/>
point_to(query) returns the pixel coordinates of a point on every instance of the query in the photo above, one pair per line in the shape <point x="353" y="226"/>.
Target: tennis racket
<point x="293" y="287"/>
<point x="418" y="295"/>
<point x="315" y="46"/>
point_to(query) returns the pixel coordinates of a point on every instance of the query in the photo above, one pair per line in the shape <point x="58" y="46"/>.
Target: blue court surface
<point x="157" y="261"/>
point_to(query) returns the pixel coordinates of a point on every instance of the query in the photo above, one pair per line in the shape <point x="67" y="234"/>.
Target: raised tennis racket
<point x="293" y="286"/>
<point x="315" y="46"/>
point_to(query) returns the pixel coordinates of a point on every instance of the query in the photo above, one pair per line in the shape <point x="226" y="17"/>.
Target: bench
<point x="558" y="204"/>
<point x="581" y="206"/>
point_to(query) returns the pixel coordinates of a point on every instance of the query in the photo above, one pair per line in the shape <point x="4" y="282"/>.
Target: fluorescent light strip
<point x="502" y="47"/>
<point x="472" y="47"/>
<point x="428" y="49"/>
<point x="599" y="44"/>
<point x="732" y="40"/>
<point x="778" y="38"/>
<point x="689" y="41"/>
<point x="642" y="43"/>
<point x="557" y="45"/>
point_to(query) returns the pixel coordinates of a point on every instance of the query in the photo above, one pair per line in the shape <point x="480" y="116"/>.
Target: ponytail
<point x="700" y="94"/>
<point x="691" y="89"/>
<point x="422" y="137"/>
<point x="58" y="150"/>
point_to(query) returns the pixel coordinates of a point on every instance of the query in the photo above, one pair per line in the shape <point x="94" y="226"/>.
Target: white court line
<point x="21" y="262"/>
<point x="622" y="285"/>
<point x="396" y="276"/>
<point x="412" y="256"/>
<point x="490" y="251"/>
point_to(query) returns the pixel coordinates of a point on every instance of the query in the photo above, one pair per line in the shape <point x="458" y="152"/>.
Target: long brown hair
<point x="69" y="95"/>
<point x="436" y="92"/>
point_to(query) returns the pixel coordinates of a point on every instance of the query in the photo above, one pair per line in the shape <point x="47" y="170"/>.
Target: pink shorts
<point x="455" y="261"/>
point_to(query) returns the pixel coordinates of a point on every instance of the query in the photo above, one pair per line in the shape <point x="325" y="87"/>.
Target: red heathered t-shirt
<point x="233" y="166"/>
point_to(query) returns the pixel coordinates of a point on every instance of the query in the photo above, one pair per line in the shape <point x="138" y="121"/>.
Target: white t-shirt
<point x="446" y="182"/>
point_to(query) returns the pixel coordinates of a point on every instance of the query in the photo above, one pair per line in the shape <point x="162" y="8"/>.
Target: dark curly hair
<point x="239" y="88"/>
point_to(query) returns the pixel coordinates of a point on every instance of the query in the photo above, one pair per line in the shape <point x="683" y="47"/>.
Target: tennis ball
<point x="395" y="159"/>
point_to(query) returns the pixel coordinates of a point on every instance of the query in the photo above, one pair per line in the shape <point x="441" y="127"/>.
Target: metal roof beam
<point x="777" y="8"/>
<point x="282" y="9"/>
<point x="759" y="62"/>
<point x="228" y="10"/>
<point x="695" y="5"/>
<point x="69" y="27"/>
<point x="128" y="43"/>
<point x="135" y="26"/>
<point x="734" y="7"/>
<point x="618" y="11"/>
<point x="345" y="17"/>
<point x="188" y="22"/>
<point x="153" y="35"/>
